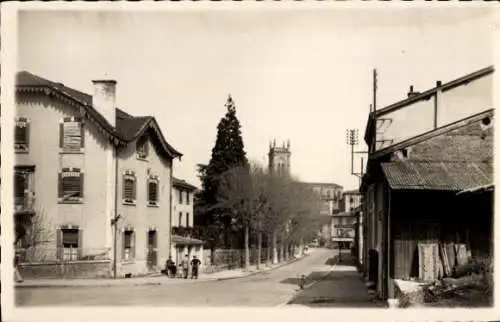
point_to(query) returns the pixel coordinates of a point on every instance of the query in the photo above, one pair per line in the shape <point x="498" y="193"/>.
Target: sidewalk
<point x="340" y="286"/>
<point x="156" y="279"/>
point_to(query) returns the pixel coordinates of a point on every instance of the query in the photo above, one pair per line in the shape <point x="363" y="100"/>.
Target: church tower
<point x="279" y="158"/>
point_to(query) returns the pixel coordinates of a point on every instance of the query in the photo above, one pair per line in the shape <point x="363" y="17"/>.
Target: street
<point x="268" y="289"/>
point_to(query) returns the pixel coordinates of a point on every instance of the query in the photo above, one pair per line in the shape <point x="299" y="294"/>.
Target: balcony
<point x="24" y="204"/>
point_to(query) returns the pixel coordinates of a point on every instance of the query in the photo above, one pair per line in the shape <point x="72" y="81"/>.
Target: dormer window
<point x="142" y="148"/>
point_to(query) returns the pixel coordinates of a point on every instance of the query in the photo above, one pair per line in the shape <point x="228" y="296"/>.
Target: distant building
<point x="330" y="193"/>
<point x="279" y="158"/>
<point x="80" y="162"/>
<point x="183" y="242"/>
<point x="343" y="221"/>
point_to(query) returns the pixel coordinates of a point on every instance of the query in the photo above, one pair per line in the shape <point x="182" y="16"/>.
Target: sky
<point x="303" y="75"/>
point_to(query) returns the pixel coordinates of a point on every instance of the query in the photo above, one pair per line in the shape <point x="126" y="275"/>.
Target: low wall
<point x="73" y="269"/>
<point x="230" y="258"/>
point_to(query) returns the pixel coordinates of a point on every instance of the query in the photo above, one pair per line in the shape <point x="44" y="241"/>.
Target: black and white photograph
<point x="249" y="156"/>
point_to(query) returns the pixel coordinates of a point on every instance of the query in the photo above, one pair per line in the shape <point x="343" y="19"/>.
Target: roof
<point x="424" y="96"/>
<point x="485" y="188"/>
<point x="323" y="184"/>
<point x="352" y="192"/>
<point x="128" y="127"/>
<point x="444" y="176"/>
<point x="186" y="240"/>
<point x="183" y="184"/>
<point x="433" y="133"/>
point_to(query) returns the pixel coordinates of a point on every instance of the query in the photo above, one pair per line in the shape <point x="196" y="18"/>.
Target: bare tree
<point x="237" y="197"/>
<point x="35" y="233"/>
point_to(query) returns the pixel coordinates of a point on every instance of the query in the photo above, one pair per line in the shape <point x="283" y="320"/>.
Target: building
<point x="183" y="242"/>
<point x="279" y="158"/>
<point x="330" y="193"/>
<point x="419" y="172"/>
<point x="95" y="178"/>
<point x="343" y="220"/>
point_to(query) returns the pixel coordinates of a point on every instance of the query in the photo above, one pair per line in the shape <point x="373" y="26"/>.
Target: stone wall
<point x="76" y="269"/>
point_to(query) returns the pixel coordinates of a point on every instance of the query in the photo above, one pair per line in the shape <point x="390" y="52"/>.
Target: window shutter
<point x="153" y="191"/>
<point x="80" y="244"/>
<point x="61" y="188"/>
<point x="123" y="245"/>
<point x="155" y="240"/>
<point x="82" y="134"/>
<point x="61" y="134"/>
<point x="81" y="185"/>
<point x="133" y="245"/>
<point x="59" y="246"/>
<point x="27" y="134"/>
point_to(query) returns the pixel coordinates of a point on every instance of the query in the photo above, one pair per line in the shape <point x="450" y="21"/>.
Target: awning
<point x="444" y="176"/>
<point x="179" y="240"/>
<point x="488" y="187"/>
<point x="342" y="239"/>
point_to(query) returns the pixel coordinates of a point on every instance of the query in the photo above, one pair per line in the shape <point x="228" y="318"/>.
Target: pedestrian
<point x="195" y="263"/>
<point x="17" y="275"/>
<point x="170" y="265"/>
<point x="185" y="266"/>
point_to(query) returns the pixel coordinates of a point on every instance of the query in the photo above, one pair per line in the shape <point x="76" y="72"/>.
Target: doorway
<point x="152" y="249"/>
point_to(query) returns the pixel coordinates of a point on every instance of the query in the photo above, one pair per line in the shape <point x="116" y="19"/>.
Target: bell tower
<point x="279" y="158"/>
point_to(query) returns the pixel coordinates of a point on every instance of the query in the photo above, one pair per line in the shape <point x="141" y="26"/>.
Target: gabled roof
<point x="178" y="183"/>
<point x="128" y="127"/>
<point x="443" y="176"/>
<point x="430" y="134"/>
<point x="423" y="96"/>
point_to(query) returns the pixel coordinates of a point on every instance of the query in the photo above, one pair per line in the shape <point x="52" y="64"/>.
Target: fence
<point x="234" y="258"/>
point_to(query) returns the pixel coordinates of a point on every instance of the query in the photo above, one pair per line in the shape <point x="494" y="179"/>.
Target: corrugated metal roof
<point x="450" y="176"/>
<point x="488" y="187"/>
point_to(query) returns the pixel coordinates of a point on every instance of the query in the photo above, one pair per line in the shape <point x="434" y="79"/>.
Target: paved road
<point x="270" y="288"/>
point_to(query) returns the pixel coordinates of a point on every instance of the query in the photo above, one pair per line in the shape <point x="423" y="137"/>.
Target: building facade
<point x="82" y="163"/>
<point x="183" y="242"/>
<point x="415" y="172"/>
<point x="330" y="194"/>
<point x="344" y="219"/>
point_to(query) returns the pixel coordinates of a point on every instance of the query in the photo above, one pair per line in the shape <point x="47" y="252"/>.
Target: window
<point x="71" y="135"/>
<point x="180" y="219"/>
<point x="20" y="185"/>
<point x="69" y="242"/>
<point x="180" y="196"/>
<point x="153" y="191"/>
<point x="187" y="198"/>
<point x="187" y="219"/>
<point x="21" y="135"/>
<point x="142" y="148"/>
<point x="71" y="185"/>
<point x="129" y="187"/>
<point x="128" y="245"/>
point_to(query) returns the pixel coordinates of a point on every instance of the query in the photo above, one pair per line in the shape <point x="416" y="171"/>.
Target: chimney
<point x="438" y="84"/>
<point x="411" y="92"/>
<point x="103" y="99"/>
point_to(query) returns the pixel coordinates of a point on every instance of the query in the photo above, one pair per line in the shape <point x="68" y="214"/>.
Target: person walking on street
<point x="170" y="267"/>
<point x="185" y="266"/>
<point x="195" y="263"/>
<point x="17" y="275"/>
